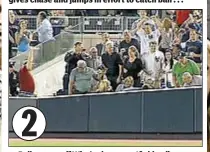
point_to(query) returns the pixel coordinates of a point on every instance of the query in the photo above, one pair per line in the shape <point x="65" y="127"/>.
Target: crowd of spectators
<point x="160" y="51"/>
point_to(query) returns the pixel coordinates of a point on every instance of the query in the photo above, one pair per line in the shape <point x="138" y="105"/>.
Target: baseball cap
<point x="182" y="54"/>
<point x="11" y="64"/>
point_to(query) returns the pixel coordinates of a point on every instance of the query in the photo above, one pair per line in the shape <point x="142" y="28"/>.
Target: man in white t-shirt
<point x="148" y="33"/>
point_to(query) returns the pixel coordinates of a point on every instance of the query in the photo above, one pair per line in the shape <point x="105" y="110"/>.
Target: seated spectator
<point x="126" y="43"/>
<point x="94" y="61"/>
<point x="101" y="47"/>
<point x="190" y="80"/>
<point x="126" y="85"/>
<point x="13" y="80"/>
<point x="133" y="65"/>
<point x="27" y="84"/>
<point x="182" y="66"/>
<point x="113" y="62"/>
<point x="23" y="37"/>
<point x="44" y="30"/>
<point x="194" y="47"/>
<point x="104" y="86"/>
<point x="80" y="78"/>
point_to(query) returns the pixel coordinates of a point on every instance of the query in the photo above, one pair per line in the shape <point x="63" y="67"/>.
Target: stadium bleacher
<point x="47" y="59"/>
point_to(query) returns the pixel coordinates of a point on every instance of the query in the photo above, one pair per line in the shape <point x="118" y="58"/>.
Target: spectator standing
<point x="184" y="65"/>
<point x="182" y="16"/>
<point x="59" y="21"/>
<point x="190" y="80"/>
<point x="13" y="80"/>
<point x="101" y="47"/>
<point x="142" y="15"/>
<point x="80" y="78"/>
<point x="27" y="83"/>
<point x="71" y="59"/>
<point x="147" y="35"/>
<point x="23" y="37"/>
<point x="167" y="67"/>
<point x="153" y="63"/>
<point x="133" y="66"/>
<point x="113" y="62"/>
<point x="94" y="61"/>
<point x="166" y="34"/>
<point x="194" y="47"/>
<point x="126" y="43"/>
<point x="13" y="27"/>
<point x="44" y="30"/>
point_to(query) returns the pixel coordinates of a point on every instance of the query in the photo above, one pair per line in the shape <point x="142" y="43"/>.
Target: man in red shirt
<point x="182" y="16"/>
<point x="27" y="83"/>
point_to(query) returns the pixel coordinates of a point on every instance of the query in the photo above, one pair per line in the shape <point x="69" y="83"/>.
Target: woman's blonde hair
<point x="167" y="24"/>
<point x="134" y="50"/>
<point x="129" y="80"/>
<point x="104" y="85"/>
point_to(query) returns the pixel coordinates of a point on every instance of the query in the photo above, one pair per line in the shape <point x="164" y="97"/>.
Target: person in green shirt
<point x="184" y="65"/>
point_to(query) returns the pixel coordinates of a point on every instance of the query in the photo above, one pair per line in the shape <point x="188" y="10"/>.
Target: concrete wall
<point x="160" y="111"/>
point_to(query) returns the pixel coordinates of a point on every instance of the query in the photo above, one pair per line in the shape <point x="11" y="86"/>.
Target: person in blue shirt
<point x="22" y="37"/>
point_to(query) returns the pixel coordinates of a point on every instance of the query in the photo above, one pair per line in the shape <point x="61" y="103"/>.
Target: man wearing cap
<point x="182" y="66"/>
<point x="13" y="80"/>
<point x="80" y="78"/>
<point x="71" y="58"/>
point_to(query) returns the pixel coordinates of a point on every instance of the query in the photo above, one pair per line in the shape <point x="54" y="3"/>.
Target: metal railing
<point x="90" y="24"/>
<point x="45" y="52"/>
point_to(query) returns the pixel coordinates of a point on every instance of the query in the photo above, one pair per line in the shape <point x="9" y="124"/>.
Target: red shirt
<point x="27" y="83"/>
<point x="181" y="16"/>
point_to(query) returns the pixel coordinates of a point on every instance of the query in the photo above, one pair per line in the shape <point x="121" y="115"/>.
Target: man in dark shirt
<point x="13" y="27"/>
<point x="101" y="46"/>
<point x="194" y="47"/>
<point x="112" y="61"/>
<point x="13" y="80"/>
<point x="71" y="58"/>
<point x="127" y="42"/>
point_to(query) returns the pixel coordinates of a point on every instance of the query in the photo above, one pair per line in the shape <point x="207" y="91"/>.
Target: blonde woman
<point x="104" y="86"/>
<point x="133" y="65"/>
<point x="126" y="85"/>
